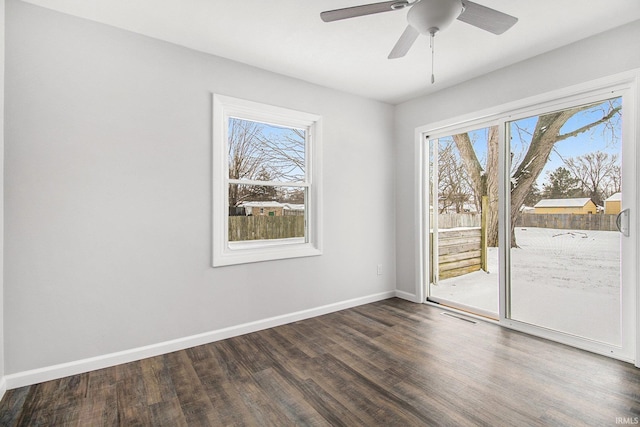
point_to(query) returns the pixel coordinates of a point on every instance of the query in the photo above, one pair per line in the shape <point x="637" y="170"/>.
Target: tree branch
<point x="589" y="126"/>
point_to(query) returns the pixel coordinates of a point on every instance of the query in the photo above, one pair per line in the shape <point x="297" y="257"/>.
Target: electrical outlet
<point x="379" y="269"/>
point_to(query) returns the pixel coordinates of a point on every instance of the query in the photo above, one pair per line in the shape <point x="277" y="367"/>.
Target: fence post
<point x="483" y="234"/>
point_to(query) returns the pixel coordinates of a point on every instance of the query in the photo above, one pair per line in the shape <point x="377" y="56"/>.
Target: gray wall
<point x="605" y="54"/>
<point x="108" y="194"/>
<point x="2" y="26"/>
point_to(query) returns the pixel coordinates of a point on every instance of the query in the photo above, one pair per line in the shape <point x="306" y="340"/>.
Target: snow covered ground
<point x="566" y="280"/>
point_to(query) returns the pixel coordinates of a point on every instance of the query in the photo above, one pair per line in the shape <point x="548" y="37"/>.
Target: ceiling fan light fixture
<point x="429" y="15"/>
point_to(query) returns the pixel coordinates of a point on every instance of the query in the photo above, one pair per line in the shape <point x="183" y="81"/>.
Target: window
<point x="266" y="182"/>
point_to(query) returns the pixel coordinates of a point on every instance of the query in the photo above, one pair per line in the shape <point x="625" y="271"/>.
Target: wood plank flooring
<point x="387" y="363"/>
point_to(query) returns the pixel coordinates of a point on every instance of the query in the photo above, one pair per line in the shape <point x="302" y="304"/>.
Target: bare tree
<point x="598" y="174"/>
<point x="454" y="189"/>
<point x="615" y="181"/>
<point x="244" y="155"/>
<point x="265" y="153"/>
<point x="284" y="153"/>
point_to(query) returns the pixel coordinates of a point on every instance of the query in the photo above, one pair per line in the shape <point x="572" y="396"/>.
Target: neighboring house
<point x="262" y="208"/>
<point x="271" y="208"/>
<point x="613" y="204"/>
<point x="566" y="206"/>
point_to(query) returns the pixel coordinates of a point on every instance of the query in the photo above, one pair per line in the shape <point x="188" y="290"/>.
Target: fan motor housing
<point x="431" y="16"/>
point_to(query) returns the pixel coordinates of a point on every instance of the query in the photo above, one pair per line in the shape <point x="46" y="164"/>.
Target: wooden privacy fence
<point x="454" y="220"/>
<point x="462" y="246"/>
<point x="598" y="222"/>
<point x="243" y="228"/>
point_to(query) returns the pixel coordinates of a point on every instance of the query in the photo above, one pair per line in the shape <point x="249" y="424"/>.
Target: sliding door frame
<point x="625" y="85"/>
<point x="432" y="268"/>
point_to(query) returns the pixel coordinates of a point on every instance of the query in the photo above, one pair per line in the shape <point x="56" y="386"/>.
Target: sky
<point x="285" y="150"/>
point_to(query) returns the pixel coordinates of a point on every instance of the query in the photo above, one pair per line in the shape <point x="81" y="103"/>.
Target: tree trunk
<point x="491" y="180"/>
<point x="485" y="183"/>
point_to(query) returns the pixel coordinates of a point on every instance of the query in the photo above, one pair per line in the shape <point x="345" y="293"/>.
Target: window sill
<point x="264" y="250"/>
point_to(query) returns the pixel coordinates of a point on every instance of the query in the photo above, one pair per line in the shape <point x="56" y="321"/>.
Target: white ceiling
<point x="288" y="37"/>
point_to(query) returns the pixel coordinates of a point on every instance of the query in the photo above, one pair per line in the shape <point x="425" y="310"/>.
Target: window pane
<point x="565" y="195"/>
<point x="264" y="212"/>
<point x="463" y="220"/>
<point x="263" y="152"/>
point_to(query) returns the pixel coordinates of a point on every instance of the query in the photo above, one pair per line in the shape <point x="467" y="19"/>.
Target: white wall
<point x="108" y="194"/>
<point x="605" y="54"/>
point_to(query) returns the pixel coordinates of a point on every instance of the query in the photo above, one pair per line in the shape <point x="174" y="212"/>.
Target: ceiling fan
<point x="429" y="17"/>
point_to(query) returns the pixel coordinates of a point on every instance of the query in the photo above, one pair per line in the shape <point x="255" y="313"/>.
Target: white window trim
<point x="246" y="252"/>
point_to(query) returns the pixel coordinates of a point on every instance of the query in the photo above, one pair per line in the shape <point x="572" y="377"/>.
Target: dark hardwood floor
<point x="386" y="363"/>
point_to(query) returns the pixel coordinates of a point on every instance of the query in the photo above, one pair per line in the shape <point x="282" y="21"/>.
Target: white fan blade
<point x="405" y="42"/>
<point x="486" y="18"/>
<point x="365" y="9"/>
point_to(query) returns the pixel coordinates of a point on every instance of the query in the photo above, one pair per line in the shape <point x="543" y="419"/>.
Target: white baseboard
<point x="49" y="373"/>
<point x="407" y="296"/>
<point x="3" y="387"/>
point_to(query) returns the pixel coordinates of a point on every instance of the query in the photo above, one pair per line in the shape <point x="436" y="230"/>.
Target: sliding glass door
<point x="567" y="207"/>
<point x="529" y="219"/>
<point x="463" y="220"/>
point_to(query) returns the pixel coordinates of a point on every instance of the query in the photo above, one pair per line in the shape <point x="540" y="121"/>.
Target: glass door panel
<point x="566" y="194"/>
<point x="463" y="221"/>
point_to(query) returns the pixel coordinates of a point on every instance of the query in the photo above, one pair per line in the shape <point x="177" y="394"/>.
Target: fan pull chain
<point x="432" y="44"/>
